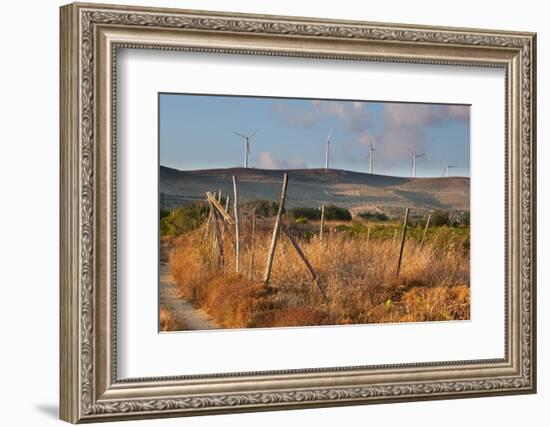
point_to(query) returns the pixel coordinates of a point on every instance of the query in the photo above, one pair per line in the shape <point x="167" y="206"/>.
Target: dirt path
<point x="182" y="310"/>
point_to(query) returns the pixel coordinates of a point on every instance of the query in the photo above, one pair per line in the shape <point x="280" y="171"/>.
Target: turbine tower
<point x="371" y="157"/>
<point x="327" y="150"/>
<point x="414" y="157"/>
<point x="247" y="139"/>
<point x="447" y="167"/>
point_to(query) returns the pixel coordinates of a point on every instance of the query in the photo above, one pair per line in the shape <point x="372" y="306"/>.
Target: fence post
<point x="252" y="243"/>
<point x="425" y="230"/>
<point x="237" y="235"/>
<point x="300" y="253"/>
<point x="403" y="235"/>
<point x="217" y="234"/>
<point x="269" y="263"/>
<point x="322" y="222"/>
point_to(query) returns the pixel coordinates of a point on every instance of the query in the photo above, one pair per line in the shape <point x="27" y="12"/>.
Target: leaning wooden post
<point x="403" y="235"/>
<point x="209" y="220"/>
<point x="237" y="235"/>
<point x="322" y="222"/>
<point x="217" y="235"/>
<point x="276" y="229"/>
<point x="252" y="243"/>
<point x="425" y="230"/>
<point x="300" y="253"/>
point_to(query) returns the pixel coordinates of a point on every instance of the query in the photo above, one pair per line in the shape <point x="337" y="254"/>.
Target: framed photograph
<point x="266" y="212"/>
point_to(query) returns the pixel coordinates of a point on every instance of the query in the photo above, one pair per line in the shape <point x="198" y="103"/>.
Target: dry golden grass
<point x="168" y="322"/>
<point x="357" y="278"/>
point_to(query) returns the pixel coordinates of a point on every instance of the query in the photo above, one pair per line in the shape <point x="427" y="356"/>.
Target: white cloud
<point x="267" y="160"/>
<point x="399" y="115"/>
<point x="353" y="115"/>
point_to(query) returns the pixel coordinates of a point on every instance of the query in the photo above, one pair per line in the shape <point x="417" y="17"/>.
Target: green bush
<point x="373" y="216"/>
<point x="181" y="220"/>
<point x="334" y="213"/>
<point x="263" y="207"/>
<point x="306" y="213"/>
<point x="440" y="218"/>
<point x="337" y="213"/>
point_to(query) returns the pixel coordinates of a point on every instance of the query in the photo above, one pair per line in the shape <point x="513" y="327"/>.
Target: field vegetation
<point x="355" y="263"/>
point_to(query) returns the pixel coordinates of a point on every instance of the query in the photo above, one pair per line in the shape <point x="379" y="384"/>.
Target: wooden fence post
<point x="218" y="238"/>
<point x="403" y="235"/>
<point x="322" y="222"/>
<point x="300" y="253"/>
<point x="210" y="218"/>
<point x="252" y="244"/>
<point x="269" y="263"/>
<point x="425" y="230"/>
<point x="237" y="235"/>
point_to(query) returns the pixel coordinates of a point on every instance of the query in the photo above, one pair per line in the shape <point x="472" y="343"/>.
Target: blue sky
<point x="196" y="132"/>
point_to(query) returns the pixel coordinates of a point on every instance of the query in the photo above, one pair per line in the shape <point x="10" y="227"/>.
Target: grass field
<point x="355" y="265"/>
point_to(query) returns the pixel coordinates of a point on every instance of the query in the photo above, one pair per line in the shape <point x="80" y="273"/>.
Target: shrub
<point x="337" y="213"/>
<point x="440" y="218"/>
<point x="306" y="213"/>
<point x="461" y="219"/>
<point x="373" y="216"/>
<point x="181" y="220"/>
<point x="263" y="207"/>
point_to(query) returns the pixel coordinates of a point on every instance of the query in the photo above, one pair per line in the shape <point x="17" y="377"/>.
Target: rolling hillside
<point x="313" y="187"/>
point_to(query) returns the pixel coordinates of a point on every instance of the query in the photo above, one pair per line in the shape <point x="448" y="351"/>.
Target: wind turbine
<point x="327" y="150"/>
<point x="247" y="139"/>
<point x="447" y="167"/>
<point x="414" y="157"/>
<point x="370" y="156"/>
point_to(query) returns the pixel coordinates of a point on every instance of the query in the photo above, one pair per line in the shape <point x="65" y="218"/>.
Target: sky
<point x="197" y="132"/>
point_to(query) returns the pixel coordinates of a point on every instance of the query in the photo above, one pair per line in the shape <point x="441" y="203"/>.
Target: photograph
<point x="281" y="212"/>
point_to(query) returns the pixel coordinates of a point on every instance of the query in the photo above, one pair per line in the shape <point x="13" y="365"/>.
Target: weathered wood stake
<point x="219" y="207"/>
<point x="425" y="230"/>
<point x="237" y="235"/>
<point x="403" y="235"/>
<point x="322" y="222"/>
<point x="218" y="238"/>
<point x="269" y="263"/>
<point x="299" y="251"/>
<point x="252" y="244"/>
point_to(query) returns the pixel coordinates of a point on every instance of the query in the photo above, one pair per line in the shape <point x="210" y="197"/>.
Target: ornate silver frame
<point x="90" y="36"/>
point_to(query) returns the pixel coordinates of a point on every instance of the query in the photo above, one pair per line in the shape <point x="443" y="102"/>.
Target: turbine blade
<point x="239" y="134"/>
<point x="329" y="134"/>
<point x="410" y="151"/>
<point x="252" y="134"/>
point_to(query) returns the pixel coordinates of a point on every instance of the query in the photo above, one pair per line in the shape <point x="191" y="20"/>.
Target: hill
<point x="312" y="187"/>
